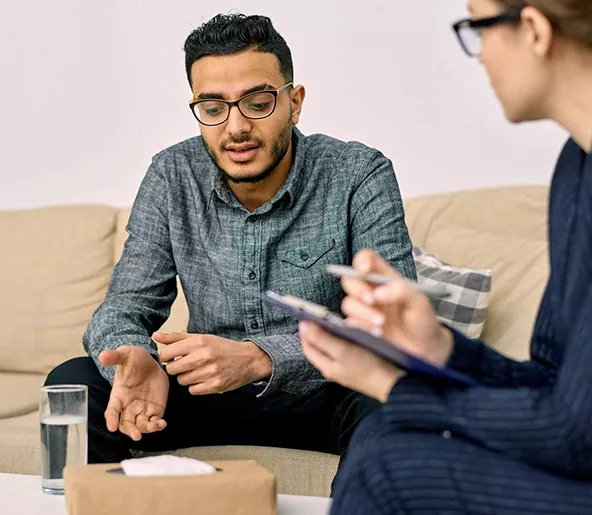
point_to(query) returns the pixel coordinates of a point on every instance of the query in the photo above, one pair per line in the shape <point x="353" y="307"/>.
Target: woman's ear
<point x="538" y="30"/>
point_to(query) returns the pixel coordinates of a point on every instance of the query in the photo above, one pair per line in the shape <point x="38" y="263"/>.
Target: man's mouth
<point x="242" y="153"/>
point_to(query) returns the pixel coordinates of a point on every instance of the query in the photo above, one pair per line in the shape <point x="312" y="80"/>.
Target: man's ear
<point x="297" y="97"/>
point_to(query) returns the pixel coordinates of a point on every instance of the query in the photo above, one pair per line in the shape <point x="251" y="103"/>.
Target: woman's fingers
<point x="321" y="340"/>
<point x="369" y="262"/>
<point x="353" y="308"/>
<point x="359" y="289"/>
<point x="398" y="291"/>
<point x="323" y="350"/>
<point x="362" y="324"/>
<point x="317" y="358"/>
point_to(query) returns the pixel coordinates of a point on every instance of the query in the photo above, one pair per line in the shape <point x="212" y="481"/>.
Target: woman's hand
<point x="347" y="364"/>
<point x="396" y="311"/>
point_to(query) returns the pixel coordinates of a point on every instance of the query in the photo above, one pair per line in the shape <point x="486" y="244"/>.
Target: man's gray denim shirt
<point x="338" y="199"/>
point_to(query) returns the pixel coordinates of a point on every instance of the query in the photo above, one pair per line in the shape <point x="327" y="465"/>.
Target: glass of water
<point x="64" y="413"/>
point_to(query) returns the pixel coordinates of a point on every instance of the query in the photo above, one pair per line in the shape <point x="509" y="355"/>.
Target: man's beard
<point x="278" y="152"/>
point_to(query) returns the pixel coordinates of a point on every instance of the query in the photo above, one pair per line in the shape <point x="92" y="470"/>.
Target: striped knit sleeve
<point x="550" y="427"/>
<point x="488" y="367"/>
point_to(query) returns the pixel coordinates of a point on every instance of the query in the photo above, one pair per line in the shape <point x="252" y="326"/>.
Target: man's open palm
<point x="140" y="392"/>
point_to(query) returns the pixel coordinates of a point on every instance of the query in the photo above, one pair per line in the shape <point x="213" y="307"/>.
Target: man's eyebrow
<point x="259" y="87"/>
<point x="210" y="96"/>
<point x="220" y="96"/>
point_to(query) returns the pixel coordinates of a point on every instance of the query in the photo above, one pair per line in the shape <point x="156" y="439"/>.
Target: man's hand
<point x="139" y="394"/>
<point x="209" y="364"/>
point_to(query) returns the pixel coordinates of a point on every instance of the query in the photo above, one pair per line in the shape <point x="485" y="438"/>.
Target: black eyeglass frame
<point x="274" y="92"/>
<point x="509" y="17"/>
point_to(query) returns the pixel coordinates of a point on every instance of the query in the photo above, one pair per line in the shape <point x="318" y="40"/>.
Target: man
<point x="250" y="205"/>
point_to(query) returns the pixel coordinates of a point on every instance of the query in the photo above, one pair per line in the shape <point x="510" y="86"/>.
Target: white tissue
<point x="165" y="465"/>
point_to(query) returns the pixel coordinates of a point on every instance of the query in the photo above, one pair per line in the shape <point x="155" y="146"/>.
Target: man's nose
<point x="237" y="124"/>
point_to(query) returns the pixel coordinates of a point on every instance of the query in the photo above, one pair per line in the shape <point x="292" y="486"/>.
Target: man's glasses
<point x="254" y="106"/>
<point x="468" y="30"/>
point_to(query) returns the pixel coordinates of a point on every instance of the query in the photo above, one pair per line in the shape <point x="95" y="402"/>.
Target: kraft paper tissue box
<point x="239" y="488"/>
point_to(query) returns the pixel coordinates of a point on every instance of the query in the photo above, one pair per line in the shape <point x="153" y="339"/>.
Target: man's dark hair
<point x="227" y="34"/>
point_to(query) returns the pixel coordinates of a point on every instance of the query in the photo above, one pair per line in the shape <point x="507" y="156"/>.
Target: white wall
<point x="89" y="91"/>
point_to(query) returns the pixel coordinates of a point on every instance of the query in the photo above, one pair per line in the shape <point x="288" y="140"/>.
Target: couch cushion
<point x="20" y="445"/>
<point x="466" y="307"/>
<point x="179" y="317"/>
<point x="297" y="472"/>
<point x="53" y="278"/>
<point x="23" y="394"/>
<point x="504" y="229"/>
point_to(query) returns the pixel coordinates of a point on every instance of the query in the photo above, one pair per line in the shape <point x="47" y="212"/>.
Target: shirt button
<point x="254" y="324"/>
<point x="254" y="218"/>
<point x="447" y="435"/>
<point x="304" y="256"/>
<point x="252" y="276"/>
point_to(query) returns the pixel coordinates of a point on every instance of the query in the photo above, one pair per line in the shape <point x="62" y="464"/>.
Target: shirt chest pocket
<point x="306" y="256"/>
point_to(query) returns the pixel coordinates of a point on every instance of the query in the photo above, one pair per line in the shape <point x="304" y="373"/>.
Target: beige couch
<point x="56" y="263"/>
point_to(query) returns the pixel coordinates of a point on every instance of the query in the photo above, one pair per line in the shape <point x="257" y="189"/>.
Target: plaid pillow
<point x="466" y="308"/>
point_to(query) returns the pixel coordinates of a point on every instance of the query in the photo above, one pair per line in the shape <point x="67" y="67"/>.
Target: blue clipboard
<point x="304" y="310"/>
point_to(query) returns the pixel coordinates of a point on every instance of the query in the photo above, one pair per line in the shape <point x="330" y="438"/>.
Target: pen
<point x="430" y="290"/>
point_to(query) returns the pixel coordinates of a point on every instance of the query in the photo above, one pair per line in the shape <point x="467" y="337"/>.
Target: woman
<point x="521" y="442"/>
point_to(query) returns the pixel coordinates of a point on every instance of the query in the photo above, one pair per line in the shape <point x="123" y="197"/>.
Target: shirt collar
<point x="219" y="187"/>
<point x="291" y="187"/>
